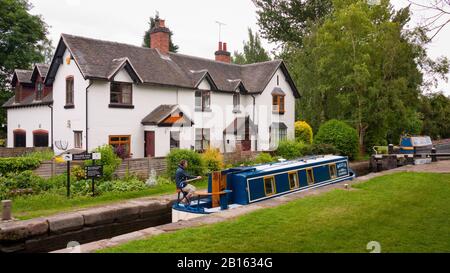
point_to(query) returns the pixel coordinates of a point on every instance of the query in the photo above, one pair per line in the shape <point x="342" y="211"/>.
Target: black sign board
<point x="81" y="157"/>
<point x="93" y="171"/>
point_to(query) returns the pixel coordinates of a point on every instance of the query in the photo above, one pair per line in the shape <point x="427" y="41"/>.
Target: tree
<point x="440" y="15"/>
<point x="361" y="65"/>
<point x="147" y="39"/>
<point x="23" y="42"/>
<point x="435" y="109"/>
<point x="253" y="51"/>
<point x="289" y="21"/>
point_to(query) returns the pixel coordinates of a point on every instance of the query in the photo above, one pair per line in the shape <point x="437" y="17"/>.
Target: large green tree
<point x="147" y="39"/>
<point x="362" y="65"/>
<point x="435" y="108"/>
<point x="253" y="51"/>
<point x="23" y="41"/>
<point x="289" y="21"/>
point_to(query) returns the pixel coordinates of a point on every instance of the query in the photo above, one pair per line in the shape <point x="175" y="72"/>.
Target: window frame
<point x="39" y="92"/>
<point x="205" y="96"/>
<point x="330" y="167"/>
<point x="22" y="133"/>
<point x="279" y="104"/>
<point x="80" y="134"/>
<point x="297" y="182"/>
<point x="273" y="185"/>
<point x="37" y="133"/>
<point x="308" y="180"/>
<point x="203" y="139"/>
<point x="70" y="92"/>
<point x="177" y="141"/>
<point x="120" y="142"/>
<point x="237" y="102"/>
<point x="120" y="95"/>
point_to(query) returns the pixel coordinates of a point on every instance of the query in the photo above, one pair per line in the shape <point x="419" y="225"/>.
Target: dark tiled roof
<point x="29" y="101"/>
<point x="97" y="59"/>
<point x="162" y="112"/>
<point x="278" y="125"/>
<point x="43" y="69"/>
<point x="278" y="91"/>
<point x="23" y="76"/>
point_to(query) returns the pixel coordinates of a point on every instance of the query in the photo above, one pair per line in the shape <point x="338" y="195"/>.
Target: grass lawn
<point x="404" y="212"/>
<point x="51" y="203"/>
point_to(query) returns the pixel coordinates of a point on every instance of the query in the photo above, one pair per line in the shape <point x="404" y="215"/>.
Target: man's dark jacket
<point x="181" y="176"/>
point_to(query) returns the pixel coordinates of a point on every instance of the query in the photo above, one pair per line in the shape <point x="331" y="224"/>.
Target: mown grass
<point x="51" y="203"/>
<point x="404" y="212"/>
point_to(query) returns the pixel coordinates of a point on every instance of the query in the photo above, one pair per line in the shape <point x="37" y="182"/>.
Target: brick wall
<point x="16" y="152"/>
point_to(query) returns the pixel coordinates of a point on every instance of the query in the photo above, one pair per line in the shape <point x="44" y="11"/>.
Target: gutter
<point x="257" y="126"/>
<point x="87" y="116"/>
<point x="51" y="124"/>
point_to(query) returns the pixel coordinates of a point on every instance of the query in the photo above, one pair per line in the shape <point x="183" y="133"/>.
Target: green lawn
<point x="404" y="212"/>
<point x="52" y="203"/>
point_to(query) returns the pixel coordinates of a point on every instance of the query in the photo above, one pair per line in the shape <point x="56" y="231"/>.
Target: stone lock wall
<point x="55" y="232"/>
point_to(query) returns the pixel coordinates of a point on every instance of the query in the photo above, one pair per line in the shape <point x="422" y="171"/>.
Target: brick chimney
<point x="160" y="36"/>
<point x="222" y="55"/>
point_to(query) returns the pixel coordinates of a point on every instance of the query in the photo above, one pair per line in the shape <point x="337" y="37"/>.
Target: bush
<point x="263" y="158"/>
<point x="303" y="132"/>
<point x="110" y="161"/>
<point x="78" y="172"/>
<point x="42" y="155"/>
<point x="128" y="185"/>
<point x="18" y="164"/>
<point x="195" y="162"/>
<point x="322" y="149"/>
<point x="290" y="149"/>
<point x="213" y="160"/>
<point x="340" y="135"/>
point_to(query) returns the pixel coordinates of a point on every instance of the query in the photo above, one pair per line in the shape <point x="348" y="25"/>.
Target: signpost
<point x="91" y="172"/>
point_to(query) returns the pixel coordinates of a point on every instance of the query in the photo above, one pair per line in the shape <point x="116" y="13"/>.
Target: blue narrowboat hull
<point x="248" y="185"/>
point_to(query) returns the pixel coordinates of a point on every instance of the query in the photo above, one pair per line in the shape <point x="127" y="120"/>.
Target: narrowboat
<point x="240" y="186"/>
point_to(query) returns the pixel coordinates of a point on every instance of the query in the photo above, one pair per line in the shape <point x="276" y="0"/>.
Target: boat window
<point x="333" y="172"/>
<point x="293" y="180"/>
<point x="310" y="176"/>
<point x="269" y="185"/>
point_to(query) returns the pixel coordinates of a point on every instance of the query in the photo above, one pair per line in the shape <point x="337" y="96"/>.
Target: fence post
<point x="433" y="155"/>
<point x="6" y="211"/>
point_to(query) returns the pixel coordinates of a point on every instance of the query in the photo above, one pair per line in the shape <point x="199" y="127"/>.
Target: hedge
<point x="339" y="134"/>
<point x="18" y="164"/>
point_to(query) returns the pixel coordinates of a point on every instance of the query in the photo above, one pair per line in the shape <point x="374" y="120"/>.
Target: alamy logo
<point x="374" y="246"/>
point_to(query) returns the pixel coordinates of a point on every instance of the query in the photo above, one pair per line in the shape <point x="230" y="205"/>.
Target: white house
<point x="147" y="101"/>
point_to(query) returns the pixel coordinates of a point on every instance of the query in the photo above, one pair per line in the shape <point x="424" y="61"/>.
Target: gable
<point x="204" y="85"/>
<point x="122" y="76"/>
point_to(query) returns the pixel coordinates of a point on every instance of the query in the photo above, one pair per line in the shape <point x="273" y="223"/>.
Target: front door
<point x="149" y="144"/>
<point x="247" y="143"/>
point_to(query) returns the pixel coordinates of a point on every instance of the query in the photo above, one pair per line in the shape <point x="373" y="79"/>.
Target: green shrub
<point x="128" y="185"/>
<point x="162" y="180"/>
<point x="339" y="134"/>
<point x="213" y="160"/>
<point x="110" y="161"/>
<point x="263" y="158"/>
<point x="290" y="149"/>
<point x="18" y="164"/>
<point x="195" y="162"/>
<point x="303" y="132"/>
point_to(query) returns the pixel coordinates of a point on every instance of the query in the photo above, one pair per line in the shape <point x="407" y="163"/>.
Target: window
<point x="277" y="135"/>
<point x="282" y="134"/>
<point x="310" y="176"/>
<point x="278" y="105"/>
<point x="121" y="93"/>
<point x="269" y="186"/>
<point x="202" y="139"/>
<point x="39" y="90"/>
<point x="174" y="140"/>
<point x="278" y="80"/>
<point x="40" y="138"/>
<point x="333" y="172"/>
<point x="121" y="145"/>
<point x="78" y="139"/>
<point x="202" y="100"/>
<point x="236" y="102"/>
<point x="20" y="138"/>
<point x="69" y="91"/>
<point x="293" y="180"/>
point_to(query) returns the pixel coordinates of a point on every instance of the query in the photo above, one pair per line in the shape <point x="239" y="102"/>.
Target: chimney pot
<point x="222" y="55"/>
<point x="220" y="46"/>
<point x="224" y="46"/>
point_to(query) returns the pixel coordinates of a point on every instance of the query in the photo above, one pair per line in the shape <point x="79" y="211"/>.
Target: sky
<point x="193" y="23"/>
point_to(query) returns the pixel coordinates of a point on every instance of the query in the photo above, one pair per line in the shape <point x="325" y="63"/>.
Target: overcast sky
<point x="193" y="22"/>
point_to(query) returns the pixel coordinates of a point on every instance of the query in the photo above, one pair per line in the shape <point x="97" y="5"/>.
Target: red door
<point x="149" y="144"/>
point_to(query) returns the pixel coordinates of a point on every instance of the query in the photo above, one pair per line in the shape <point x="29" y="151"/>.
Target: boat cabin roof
<point x="287" y="165"/>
